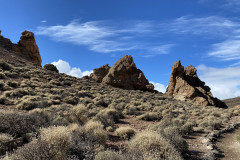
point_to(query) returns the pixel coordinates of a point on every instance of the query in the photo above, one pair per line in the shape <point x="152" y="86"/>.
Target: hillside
<point x="50" y="115"/>
<point x="232" y="102"/>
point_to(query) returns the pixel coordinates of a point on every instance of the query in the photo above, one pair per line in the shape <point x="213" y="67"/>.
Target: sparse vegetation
<point x="58" y="116"/>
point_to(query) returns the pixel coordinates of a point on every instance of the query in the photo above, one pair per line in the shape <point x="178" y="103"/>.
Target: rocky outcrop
<point x="124" y="74"/>
<point x="5" y="43"/>
<point x="27" y="47"/>
<point x="185" y="84"/>
<point x="99" y="73"/>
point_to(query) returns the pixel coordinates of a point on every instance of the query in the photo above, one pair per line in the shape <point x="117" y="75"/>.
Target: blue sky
<point x="80" y="35"/>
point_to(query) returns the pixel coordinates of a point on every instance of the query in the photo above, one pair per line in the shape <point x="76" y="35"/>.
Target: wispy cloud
<point x="138" y="37"/>
<point x="228" y="50"/>
<point x="105" y="37"/>
<point x="224" y="82"/>
<point x="43" y="21"/>
<point x="64" y="67"/>
<point x="211" y="26"/>
<point x="224" y="4"/>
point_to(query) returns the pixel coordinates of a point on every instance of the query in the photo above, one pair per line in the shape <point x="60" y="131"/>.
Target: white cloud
<point x="43" y="21"/>
<point x="163" y="49"/>
<point x="106" y="37"/>
<point x="212" y="27"/>
<point x="224" y="82"/>
<point x="159" y="87"/>
<point x="64" y="67"/>
<point x="228" y="50"/>
<point x="209" y="26"/>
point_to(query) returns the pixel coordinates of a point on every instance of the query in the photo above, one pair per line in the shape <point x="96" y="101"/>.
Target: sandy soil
<point x="229" y="146"/>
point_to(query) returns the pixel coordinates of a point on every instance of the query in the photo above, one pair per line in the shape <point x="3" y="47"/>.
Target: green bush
<point x="51" y="67"/>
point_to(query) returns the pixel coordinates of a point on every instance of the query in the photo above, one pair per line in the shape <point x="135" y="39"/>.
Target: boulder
<point x="185" y="84"/>
<point x="125" y="74"/>
<point x="27" y="47"/>
<point x="99" y="73"/>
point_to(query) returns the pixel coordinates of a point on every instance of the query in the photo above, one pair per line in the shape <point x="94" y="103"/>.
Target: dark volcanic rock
<point x="27" y="47"/>
<point x="185" y="84"/>
<point x="99" y="73"/>
<point x="5" y="43"/>
<point x="124" y="74"/>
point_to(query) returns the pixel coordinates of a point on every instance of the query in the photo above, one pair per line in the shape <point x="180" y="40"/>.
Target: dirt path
<point x="229" y="146"/>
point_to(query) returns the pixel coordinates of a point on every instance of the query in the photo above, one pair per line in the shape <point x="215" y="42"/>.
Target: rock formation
<point x="99" y="73"/>
<point x="28" y="48"/>
<point x="185" y="84"/>
<point x="123" y="74"/>
<point x="5" y="43"/>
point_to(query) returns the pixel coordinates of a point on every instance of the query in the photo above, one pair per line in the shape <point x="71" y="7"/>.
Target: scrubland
<point x="49" y="115"/>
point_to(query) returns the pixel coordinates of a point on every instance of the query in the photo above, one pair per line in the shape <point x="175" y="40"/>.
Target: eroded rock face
<point x="99" y="73"/>
<point x="124" y="74"/>
<point x="5" y="43"/>
<point x="28" y="48"/>
<point x="185" y="84"/>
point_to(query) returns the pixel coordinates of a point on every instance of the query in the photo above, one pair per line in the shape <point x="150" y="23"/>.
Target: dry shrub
<point x="51" y="67"/>
<point x="16" y="123"/>
<point x="35" y="150"/>
<point x="211" y="124"/>
<point x="81" y="145"/>
<point x="5" y="100"/>
<point x="79" y="114"/>
<point x="125" y="132"/>
<point x="149" y="116"/>
<point x="171" y="133"/>
<point x="4" y="139"/>
<point x="109" y="129"/>
<point x="2" y="86"/>
<point x="95" y="132"/>
<point x="153" y="146"/>
<point x="31" y="102"/>
<point x="71" y="100"/>
<point x="13" y="84"/>
<point x="130" y="110"/>
<point x="107" y="117"/>
<point x="2" y="76"/>
<point x="109" y="155"/>
<point x="5" y="66"/>
<point x="58" y="138"/>
<point x="17" y="93"/>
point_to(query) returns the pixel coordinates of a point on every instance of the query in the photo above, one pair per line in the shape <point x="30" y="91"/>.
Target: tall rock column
<point x="185" y="84"/>
<point x="28" y="48"/>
